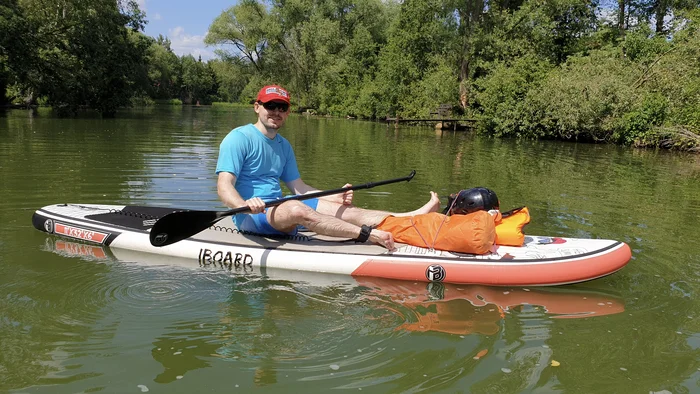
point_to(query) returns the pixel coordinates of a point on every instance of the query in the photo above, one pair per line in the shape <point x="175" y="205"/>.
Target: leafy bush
<point x="142" y="101"/>
<point x="638" y="124"/>
<point x="502" y="97"/>
<point x="169" y="102"/>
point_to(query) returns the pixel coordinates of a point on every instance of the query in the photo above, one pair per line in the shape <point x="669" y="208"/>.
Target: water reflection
<point x="459" y="309"/>
<point x="276" y="327"/>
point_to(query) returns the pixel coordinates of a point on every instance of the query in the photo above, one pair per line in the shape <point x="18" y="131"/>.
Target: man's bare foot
<point x="431" y="206"/>
<point x="382" y="238"/>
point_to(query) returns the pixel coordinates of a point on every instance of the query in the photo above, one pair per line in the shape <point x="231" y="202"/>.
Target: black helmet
<point x="471" y="200"/>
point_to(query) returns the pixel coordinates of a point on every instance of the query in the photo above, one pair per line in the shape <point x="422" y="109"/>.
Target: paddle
<point x="176" y="226"/>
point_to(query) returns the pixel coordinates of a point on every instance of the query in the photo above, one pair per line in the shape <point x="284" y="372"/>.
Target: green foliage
<point x="641" y="45"/>
<point x="523" y="68"/>
<point x="418" y="38"/>
<point x="231" y="79"/>
<point x="142" y="101"/>
<point x="198" y="84"/>
<point x="168" y="102"/>
<point x="636" y="124"/>
<point x="17" y="56"/>
<point x="221" y="104"/>
<point x="247" y="26"/>
<point x="78" y="53"/>
<point x="503" y="96"/>
<point x="163" y="69"/>
<point x="582" y="99"/>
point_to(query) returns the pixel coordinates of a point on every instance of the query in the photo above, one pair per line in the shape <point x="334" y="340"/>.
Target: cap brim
<point x="276" y="99"/>
<point x="273" y="97"/>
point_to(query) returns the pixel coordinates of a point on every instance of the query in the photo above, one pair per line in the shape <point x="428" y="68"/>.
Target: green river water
<point x="75" y="318"/>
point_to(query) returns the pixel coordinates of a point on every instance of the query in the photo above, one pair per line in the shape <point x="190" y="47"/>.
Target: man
<point x="252" y="160"/>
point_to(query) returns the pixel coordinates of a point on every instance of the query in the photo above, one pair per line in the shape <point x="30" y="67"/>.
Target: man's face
<point x="271" y="115"/>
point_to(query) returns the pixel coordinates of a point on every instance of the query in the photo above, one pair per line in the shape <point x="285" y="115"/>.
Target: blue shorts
<point x="257" y="223"/>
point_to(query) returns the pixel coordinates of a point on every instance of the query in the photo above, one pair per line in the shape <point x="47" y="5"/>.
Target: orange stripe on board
<point x="496" y="273"/>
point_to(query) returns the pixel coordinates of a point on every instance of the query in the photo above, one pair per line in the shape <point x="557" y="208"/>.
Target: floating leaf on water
<point x="481" y="354"/>
<point x="555" y="363"/>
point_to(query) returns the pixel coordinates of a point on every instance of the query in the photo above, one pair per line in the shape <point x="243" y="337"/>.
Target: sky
<point x="184" y="22"/>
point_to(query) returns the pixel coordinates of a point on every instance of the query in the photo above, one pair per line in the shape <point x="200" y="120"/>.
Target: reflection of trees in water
<point x="263" y="323"/>
<point x="46" y="319"/>
<point x="186" y="347"/>
<point x="268" y="326"/>
<point x="507" y="330"/>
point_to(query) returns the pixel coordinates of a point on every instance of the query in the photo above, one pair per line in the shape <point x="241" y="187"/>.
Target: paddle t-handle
<point x="176" y="226"/>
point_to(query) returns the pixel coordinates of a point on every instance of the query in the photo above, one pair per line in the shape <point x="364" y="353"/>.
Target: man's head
<point x="272" y="106"/>
<point x="471" y="200"/>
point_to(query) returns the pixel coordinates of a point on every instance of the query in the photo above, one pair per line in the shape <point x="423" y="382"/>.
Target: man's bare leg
<point x="360" y="216"/>
<point x="433" y="205"/>
<point x="287" y="216"/>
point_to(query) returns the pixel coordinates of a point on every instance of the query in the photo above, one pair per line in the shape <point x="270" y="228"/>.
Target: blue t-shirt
<point x="257" y="162"/>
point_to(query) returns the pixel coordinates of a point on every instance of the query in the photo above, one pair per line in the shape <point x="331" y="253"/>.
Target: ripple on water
<point x="305" y="329"/>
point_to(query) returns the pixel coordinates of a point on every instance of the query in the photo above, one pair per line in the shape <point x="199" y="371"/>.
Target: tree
<point x="163" y="69"/>
<point x="18" y="55"/>
<point x="231" y="78"/>
<point x="242" y="26"/>
<point x="198" y="83"/>
<point x="420" y="35"/>
<point x="88" y="53"/>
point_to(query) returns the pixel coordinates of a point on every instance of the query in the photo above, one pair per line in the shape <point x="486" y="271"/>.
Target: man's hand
<point x="382" y="238"/>
<point x="256" y="204"/>
<point x="344" y="198"/>
<point x="347" y="195"/>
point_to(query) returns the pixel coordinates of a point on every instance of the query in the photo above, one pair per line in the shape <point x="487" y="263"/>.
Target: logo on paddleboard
<point x="48" y="226"/>
<point x="160" y="239"/>
<point x="435" y="273"/>
<point x="79" y="233"/>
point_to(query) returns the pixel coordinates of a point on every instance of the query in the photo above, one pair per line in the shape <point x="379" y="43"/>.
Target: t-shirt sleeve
<point x="232" y="153"/>
<point x="290" y="172"/>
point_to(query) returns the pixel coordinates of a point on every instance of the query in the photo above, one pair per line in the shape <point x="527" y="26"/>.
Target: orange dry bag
<point x="509" y="227"/>
<point x="471" y="233"/>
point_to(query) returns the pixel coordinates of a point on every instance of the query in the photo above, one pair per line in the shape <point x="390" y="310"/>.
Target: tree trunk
<point x="3" y="89"/>
<point x="464" y="84"/>
<point x="660" y="15"/>
<point x="621" y="17"/>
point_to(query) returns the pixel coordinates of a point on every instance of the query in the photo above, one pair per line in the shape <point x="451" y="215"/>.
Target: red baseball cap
<point x="273" y="93"/>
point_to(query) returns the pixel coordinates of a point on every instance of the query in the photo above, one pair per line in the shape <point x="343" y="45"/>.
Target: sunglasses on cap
<point x="274" y="105"/>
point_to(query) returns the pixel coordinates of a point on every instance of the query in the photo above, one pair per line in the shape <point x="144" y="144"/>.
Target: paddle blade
<point x="177" y="226"/>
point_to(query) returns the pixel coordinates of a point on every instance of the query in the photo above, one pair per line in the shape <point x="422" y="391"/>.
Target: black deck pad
<point x="136" y="217"/>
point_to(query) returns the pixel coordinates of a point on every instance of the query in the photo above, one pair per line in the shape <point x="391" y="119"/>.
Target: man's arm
<point x="230" y="196"/>
<point x="298" y="186"/>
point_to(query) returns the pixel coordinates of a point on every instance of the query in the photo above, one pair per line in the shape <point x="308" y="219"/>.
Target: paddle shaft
<point x="177" y="226"/>
<point x="318" y="194"/>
